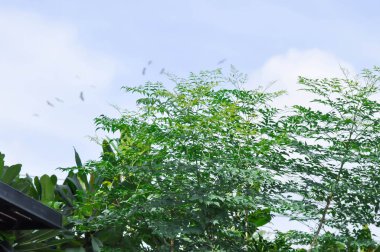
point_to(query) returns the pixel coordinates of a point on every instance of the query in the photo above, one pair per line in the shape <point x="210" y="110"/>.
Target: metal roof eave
<point x="19" y="211"/>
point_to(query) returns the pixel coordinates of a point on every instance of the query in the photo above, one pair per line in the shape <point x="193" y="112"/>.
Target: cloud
<point x="41" y="60"/>
<point x="284" y="70"/>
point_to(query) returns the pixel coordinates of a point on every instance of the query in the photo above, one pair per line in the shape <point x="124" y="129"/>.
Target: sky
<point x="51" y="51"/>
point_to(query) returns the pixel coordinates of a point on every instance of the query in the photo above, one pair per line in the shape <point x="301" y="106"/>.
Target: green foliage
<point x="42" y="189"/>
<point x="77" y="193"/>
<point x="185" y="173"/>
<point x="203" y="166"/>
<point x="47" y="185"/>
<point x="332" y="161"/>
<point x="260" y="217"/>
<point x="10" y="175"/>
<point x="85" y="209"/>
<point x="362" y="241"/>
<point x="36" y="240"/>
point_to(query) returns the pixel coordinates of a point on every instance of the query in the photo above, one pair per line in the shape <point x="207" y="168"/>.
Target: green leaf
<point x="38" y="187"/>
<point x="10" y="173"/>
<point x="77" y="159"/>
<point x="65" y="193"/>
<point x="260" y="217"/>
<point x="47" y="189"/>
<point x="96" y="244"/>
<point x="54" y="179"/>
<point x="36" y="236"/>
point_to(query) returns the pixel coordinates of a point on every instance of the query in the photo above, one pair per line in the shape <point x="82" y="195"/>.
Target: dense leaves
<point x="333" y="155"/>
<point x="190" y="161"/>
<point x="205" y="165"/>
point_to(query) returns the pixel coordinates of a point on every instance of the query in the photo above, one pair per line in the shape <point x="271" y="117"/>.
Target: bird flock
<point x="81" y="94"/>
<point x="50" y="103"/>
<point x="143" y="72"/>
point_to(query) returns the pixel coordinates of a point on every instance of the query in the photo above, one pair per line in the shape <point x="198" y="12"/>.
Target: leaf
<point x="10" y="173"/>
<point x="107" y="151"/>
<point x="77" y="159"/>
<point x="81" y="176"/>
<point x="47" y="189"/>
<point x="54" y="179"/>
<point x="36" y="236"/>
<point x="23" y="185"/>
<point x="65" y="193"/>
<point x="74" y="184"/>
<point x="38" y="187"/>
<point x="82" y="179"/>
<point x="96" y="244"/>
<point x="260" y="217"/>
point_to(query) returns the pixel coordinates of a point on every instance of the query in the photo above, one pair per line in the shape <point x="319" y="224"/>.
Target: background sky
<point x="57" y="49"/>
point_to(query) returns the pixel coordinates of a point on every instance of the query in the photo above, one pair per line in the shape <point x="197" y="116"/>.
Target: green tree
<point x="332" y="163"/>
<point x="187" y="168"/>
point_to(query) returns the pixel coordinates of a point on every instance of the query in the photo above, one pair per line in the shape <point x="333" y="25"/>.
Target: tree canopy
<point x="203" y="166"/>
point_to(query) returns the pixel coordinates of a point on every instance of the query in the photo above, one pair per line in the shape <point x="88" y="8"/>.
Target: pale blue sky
<point x="58" y="48"/>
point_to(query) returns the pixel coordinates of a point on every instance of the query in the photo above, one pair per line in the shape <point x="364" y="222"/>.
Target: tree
<point x="332" y="162"/>
<point x="187" y="167"/>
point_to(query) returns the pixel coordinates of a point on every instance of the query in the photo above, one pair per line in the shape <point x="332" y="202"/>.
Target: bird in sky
<point x="81" y="96"/>
<point x="58" y="100"/>
<point x="222" y="61"/>
<point x="143" y="71"/>
<point x="162" y="71"/>
<point x="50" y="104"/>
<point x="36" y="115"/>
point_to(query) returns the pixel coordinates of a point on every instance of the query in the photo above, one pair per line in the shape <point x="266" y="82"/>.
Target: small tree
<point x="334" y="155"/>
<point x="189" y="165"/>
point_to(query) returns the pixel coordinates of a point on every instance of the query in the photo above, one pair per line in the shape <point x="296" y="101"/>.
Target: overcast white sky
<point x="57" y="49"/>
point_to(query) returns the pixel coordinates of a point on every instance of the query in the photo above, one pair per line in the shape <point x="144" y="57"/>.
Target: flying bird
<point x="222" y="61"/>
<point x="58" y="100"/>
<point x="149" y="62"/>
<point x="162" y="71"/>
<point x="143" y="71"/>
<point x="36" y="115"/>
<point x="50" y="104"/>
<point x="81" y="96"/>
